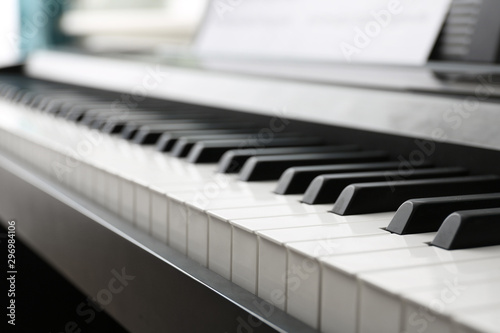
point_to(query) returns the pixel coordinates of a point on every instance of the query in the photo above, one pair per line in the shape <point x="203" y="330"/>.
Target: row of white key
<point x="233" y="234"/>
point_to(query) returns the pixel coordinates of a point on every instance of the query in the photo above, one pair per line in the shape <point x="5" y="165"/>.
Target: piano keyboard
<point x="338" y="236"/>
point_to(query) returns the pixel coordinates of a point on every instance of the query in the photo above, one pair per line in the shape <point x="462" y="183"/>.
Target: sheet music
<point x="361" y="31"/>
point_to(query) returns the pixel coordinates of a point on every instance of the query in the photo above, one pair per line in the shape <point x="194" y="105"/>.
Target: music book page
<point x="361" y="31"/>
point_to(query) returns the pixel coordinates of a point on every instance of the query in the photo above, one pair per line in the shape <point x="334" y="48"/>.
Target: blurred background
<point x="96" y="25"/>
<point x="313" y="32"/>
<point x="455" y="30"/>
<point x="132" y="24"/>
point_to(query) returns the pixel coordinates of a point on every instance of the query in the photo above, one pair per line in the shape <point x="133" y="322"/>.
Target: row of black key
<point x="357" y="182"/>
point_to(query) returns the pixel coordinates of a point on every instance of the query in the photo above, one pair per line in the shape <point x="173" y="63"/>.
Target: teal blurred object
<point x="40" y="24"/>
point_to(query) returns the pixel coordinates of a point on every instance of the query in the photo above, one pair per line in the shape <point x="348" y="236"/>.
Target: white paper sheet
<point x="357" y="31"/>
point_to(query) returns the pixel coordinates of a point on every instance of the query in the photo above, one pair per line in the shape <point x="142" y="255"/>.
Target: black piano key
<point x="168" y="139"/>
<point x="27" y="98"/>
<point x="9" y="92"/>
<point x="61" y="106"/>
<point x="147" y="118"/>
<point x="4" y="88"/>
<point x="327" y="188"/>
<point x="427" y="214"/>
<point x="117" y="123"/>
<point x="271" y="167"/>
<point x="3" y="91"/>
<point x="19" y="94"/>
<point x="87" y="115"/>
<point x="131" y="130"/>
<point x="39" y="101"/>
<point x="184" y="144"/>
<point x="469" y="229"/>
<point x="148" y="135"/>
<point x="95" y="118"/>
<point x="296" y="180"/>
<point x="68" y="110"/>
<point x="116" y="126"/>
<point x="377" y="197"/>
<point x="78" y="112"/>
<point x="233" y="160"/>
<point x="212" y="151"/>
<point x="99" y="121"/>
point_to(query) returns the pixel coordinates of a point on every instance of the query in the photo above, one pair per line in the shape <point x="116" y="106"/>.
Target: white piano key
<point x="101" y="184"/>
<point x="88" y="180"/>
<point x="159" y="226"/>
<point x="177" y="212"/>
<point x="3" y="139"/>
<point x="48" y="162"/>
<point x="272" y="259"/>
<point x="197" y="235"/>
<point x="340" y="286"/>
<point x="45" y="164"/>
<point x="244" y="262"/>
<point x="176" y="219"/>
<point x="478" y="320"/>
<point x="142" y="196"/>
<point x="20" y="151"/>
<point x="28" y="151"/>
<point x="382" y="290"/>
<point x="197" y="218"/>
<point x="113" y="193"/>
<point x="127" y="199"/>
<point x="303" y="296"/>
<point x="153" y="176"/>
<point x="303" y="288"/>
<point x="73" y="181"/>
<point x="200" y="196"/>
<point x="147" y="170"/>
<point x="220" y="230"/>
<point x="57" y="165"/>
<point x="40" y="153"/>
<point x="433" y="309"/>
<point x="212" y="186"/>
<point x="244" y="256"/>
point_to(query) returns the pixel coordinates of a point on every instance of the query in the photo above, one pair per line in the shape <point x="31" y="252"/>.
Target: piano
<point x="199" y="195"/>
